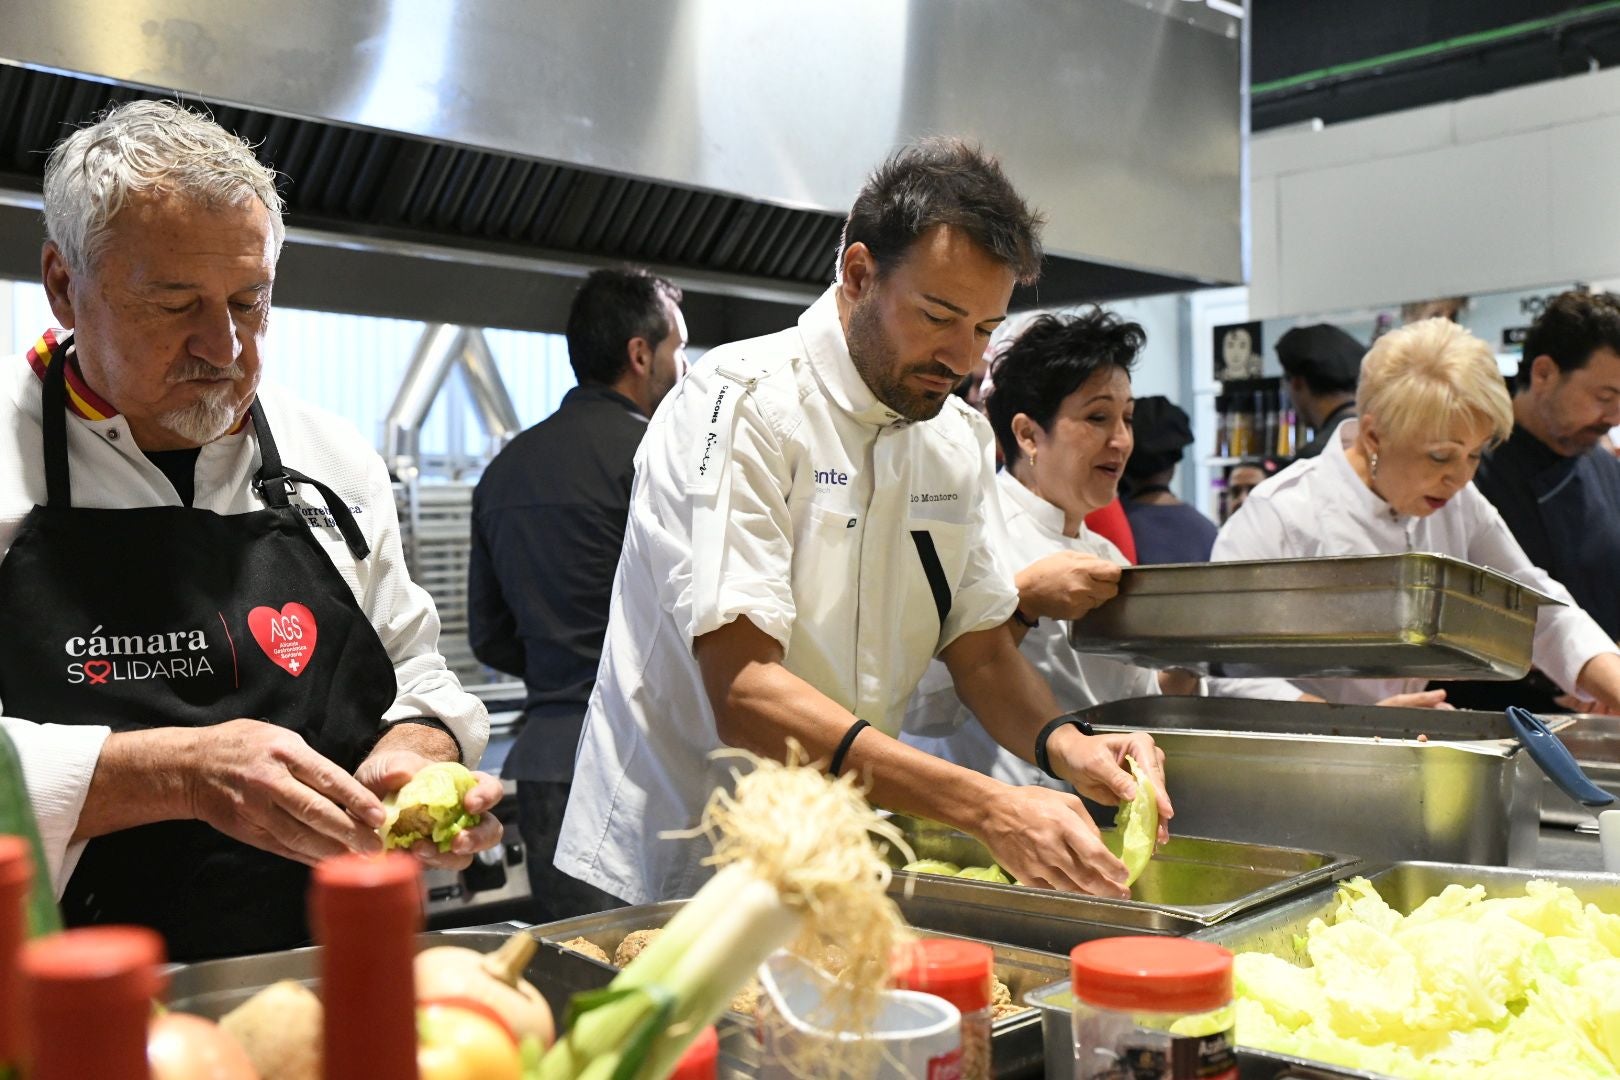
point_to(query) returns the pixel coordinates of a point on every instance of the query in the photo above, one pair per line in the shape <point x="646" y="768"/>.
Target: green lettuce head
<point x="1138" y="824"/>
<point x="429" y="807"/>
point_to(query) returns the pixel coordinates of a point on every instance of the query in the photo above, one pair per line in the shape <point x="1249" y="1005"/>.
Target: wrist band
<point x="843" y="747"/>
<point x="1024" y="620"/>
<point x="1043" y="762"/>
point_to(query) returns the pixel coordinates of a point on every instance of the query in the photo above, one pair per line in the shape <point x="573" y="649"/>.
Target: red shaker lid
<point x="366" y="886"/>
<point x="1152" y="974"/>
<point x="958" y="971"/>
<point x="96" y="968"/>
<point x="702" y="1058"/>
<point x="16" y="863"/>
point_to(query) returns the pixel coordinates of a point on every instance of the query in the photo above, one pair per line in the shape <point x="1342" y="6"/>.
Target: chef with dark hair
<point x="1321" y="364"/>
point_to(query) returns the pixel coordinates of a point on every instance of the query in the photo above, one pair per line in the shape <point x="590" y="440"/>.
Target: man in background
<point x="1321" y="364"/>
<point x="1166" y="529"/>
<point x="548" y="521"/>
<point x="1554" y="484"/>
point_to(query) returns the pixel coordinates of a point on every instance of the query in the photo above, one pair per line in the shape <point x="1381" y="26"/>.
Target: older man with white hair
<point x="214" y="663"/>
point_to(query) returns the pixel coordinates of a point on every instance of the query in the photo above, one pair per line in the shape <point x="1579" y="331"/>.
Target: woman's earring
<point x="1375" y="465"/>
<point x="1032" y="459"/>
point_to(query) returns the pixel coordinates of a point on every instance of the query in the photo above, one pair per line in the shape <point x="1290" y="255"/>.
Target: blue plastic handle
<point x="1548" y="751"/>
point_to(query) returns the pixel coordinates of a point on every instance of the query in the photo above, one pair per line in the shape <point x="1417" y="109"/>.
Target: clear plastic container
<point x="1152" y="1008"/>
<point x="962" y="973"/>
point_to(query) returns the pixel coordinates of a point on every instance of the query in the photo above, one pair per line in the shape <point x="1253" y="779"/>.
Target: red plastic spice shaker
<point x="961" y="972"/>
<point x="86" y="1000"/>
<point x="1152" y="1008"/>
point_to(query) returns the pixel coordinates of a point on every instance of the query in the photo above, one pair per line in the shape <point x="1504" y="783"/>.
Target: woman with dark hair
<point x="1061" y="409"/>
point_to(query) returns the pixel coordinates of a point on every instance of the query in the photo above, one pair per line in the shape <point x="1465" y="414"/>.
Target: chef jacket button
<point x="112" y="434"/>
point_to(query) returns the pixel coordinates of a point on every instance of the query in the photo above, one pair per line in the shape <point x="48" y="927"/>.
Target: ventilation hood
<point x="468" y="162"/>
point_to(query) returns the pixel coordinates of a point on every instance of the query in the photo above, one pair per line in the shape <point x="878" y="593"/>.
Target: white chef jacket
<point x="109" y="471"/>
<point x="771" y="484"/>
<point x="1028" y="528"/>
<point x="1320" y="507"/>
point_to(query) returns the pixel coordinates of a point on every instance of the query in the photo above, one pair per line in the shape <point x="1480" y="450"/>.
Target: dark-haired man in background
<point x="1554" y="485"/>
<point x="548" y="522"/>
<point x="1321" y="364"/>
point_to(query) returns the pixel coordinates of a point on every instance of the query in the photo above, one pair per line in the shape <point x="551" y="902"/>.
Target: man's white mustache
<point x="205" y="371"/>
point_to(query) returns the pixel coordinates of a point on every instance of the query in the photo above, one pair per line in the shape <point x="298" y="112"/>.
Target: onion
<point x="184" y="1047"/>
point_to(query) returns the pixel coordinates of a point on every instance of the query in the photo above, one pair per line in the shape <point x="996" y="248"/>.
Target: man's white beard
<point x="213" y="414"/>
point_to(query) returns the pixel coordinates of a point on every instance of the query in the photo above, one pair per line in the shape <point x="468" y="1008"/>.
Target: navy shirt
<point x="548" y="522"/>
<point x="1176" y="533"/>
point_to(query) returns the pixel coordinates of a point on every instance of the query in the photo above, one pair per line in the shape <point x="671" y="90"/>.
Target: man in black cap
<point x="1166" y="529"/>
<point x="1553" y="482"/>
<point x="1321" y="364"/>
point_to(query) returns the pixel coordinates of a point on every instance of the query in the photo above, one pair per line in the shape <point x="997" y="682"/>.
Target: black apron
<point x="170" y="616"/>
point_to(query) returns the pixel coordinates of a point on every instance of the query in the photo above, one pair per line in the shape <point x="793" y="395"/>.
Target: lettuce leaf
<point x="429" y="807"/>
<point x="933" y="866"/>
<point x="993" y="872"/>
<point x="1138" y="822"/>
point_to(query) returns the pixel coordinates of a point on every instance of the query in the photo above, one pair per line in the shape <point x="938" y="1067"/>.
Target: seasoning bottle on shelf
<point x="1153" y="1009"/>
<point x="1223" y="444"/>
<point x="961" y="972"/>
<point x="86" y="1000"/>
<point x="366" y="912"/>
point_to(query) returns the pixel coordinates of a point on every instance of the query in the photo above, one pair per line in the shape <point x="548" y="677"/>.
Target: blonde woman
<point x="1430" y="401"/>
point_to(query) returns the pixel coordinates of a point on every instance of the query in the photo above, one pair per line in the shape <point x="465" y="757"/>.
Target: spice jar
<point x="961" y="972"/>
<point x="1152" y="1008"/>
<point x="86" y="1000"/>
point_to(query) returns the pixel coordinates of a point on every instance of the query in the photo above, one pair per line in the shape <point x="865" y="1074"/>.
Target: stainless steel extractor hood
<point x="480" y="156"/>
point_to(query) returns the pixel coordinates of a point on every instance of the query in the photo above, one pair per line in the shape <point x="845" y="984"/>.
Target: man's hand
<point x="1066" y="585"/>
<point x="1096" y="766"/>
<point x="399" y="756"/>
<point x="263" y="785"/>
<point x="1045" y="838"/>
<point x="1423" y="699"/>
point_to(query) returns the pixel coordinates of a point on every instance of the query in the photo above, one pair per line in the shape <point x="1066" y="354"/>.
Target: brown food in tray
<point x="587" y="948"/>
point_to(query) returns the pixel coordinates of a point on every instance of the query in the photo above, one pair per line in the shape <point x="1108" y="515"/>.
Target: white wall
<point x="1495" y="193"/>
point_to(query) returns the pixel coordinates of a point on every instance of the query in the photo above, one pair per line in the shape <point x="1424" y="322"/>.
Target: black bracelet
<point x="843" y="747"/>
<point x="1043" y="762"/>
<point x="1024" y="620"/>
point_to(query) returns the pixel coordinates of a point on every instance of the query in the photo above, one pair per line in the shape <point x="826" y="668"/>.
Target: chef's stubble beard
<point x="877" y="361"/>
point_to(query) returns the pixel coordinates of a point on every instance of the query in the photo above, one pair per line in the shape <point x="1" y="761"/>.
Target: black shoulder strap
<point x="273" y="477"/>
<point x="58" y="488"/>
<point x="934" y="571"/>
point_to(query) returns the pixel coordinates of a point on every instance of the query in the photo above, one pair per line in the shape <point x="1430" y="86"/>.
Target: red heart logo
<point x="286" y="636"/>
<point x="97" y="670"/>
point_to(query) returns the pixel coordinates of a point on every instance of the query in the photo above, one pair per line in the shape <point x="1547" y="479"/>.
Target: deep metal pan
<point x="1414" y="615"/>
<point x="1191" y="883"/>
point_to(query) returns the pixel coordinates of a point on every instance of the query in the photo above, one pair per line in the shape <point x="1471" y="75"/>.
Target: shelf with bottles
<point x="1255" y="420"/>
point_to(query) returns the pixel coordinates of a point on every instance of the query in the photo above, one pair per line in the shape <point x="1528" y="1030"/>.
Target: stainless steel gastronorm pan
<point x="1280" y="930"/>
<point x="1416" y="615"/>
<point x="1191" y="883"/>
<point x="1015" y="1042"/>
<point x="1595" y="742"/>
<point x="1389" y="784"/>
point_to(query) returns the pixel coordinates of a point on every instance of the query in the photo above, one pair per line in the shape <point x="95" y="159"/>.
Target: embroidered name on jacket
<point x="98" y="658"/>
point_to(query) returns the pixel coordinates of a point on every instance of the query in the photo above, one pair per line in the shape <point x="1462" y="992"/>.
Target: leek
<point x="796" y="867"/>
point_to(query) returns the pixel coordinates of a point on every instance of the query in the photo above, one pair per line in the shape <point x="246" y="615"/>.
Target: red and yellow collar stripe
<point x="82" y="401"/>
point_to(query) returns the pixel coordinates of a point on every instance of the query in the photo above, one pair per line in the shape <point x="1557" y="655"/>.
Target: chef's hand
<point x="1423" y="699"/>
<point x="1599" y="684"/>
<point x="1096" y="766"/>
<point x="1047" y="839"/>
<point x="263" y="785"/>
<point x="398" y="756"/>
<point x="1066" y="585"/>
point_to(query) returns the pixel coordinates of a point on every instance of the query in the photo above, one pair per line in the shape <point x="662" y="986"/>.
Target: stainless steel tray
<point x="1015" y="1042"/>
<point x="1380" y="783"/>
<point x="1191" y="883"/>
<point x="1595" y="742"/>
<point x="1404" y="885"/>
<point x="1413" y="615"/>
<point x="215" y="987"/>
<point x="1056" y="1004"/>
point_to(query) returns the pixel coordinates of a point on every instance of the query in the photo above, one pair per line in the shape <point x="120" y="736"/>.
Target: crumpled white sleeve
<point x="1566" y="637"/>
<point x="405" y="619"/>
<point x="58" y="761"/>
<point x="737" y="558"/>
<point x="1256" y="531"/>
